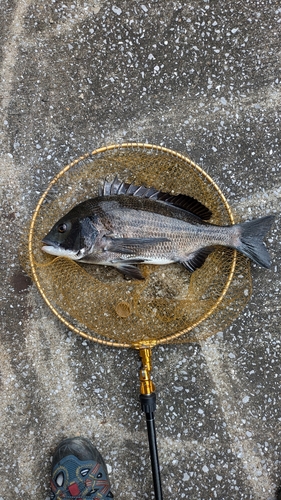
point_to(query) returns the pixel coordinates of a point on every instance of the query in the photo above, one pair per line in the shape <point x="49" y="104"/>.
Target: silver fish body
<point x="128" y="224"/>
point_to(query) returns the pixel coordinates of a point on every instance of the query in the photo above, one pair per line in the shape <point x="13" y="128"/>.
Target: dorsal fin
<point x="182" y="201"/>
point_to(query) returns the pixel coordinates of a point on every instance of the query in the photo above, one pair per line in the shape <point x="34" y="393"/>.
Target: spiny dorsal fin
<point x="182" y="201"/>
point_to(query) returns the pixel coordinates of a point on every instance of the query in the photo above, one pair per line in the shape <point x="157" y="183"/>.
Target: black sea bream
<point x="126" y="225"/>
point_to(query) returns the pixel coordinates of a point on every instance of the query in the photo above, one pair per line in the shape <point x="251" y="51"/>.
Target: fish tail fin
<point x="251" y="240"/>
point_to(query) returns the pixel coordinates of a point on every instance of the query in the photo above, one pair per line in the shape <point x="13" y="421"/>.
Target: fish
<point x="126" y="225"/>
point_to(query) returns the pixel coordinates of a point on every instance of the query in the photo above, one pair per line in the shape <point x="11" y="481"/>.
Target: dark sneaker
<point x="79" y="472"/>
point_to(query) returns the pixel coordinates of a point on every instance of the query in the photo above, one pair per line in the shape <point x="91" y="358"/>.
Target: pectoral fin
<point x="130" y="245"/>
<point x="196" y="259"/>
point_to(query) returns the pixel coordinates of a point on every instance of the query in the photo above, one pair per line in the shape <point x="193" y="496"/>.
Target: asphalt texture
<point x="202" y="78"/>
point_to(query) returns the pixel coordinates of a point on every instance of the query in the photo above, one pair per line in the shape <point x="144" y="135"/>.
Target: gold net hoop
<point x="170" y="305"/>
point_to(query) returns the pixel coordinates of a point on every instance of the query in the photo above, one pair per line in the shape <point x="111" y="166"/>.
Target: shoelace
<point x="81" y="498"/>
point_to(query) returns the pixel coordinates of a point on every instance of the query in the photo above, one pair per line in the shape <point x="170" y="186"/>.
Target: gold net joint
<point x="146" y="384"/>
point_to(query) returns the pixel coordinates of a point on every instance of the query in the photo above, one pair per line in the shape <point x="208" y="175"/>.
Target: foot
<point x="79" y="472"/>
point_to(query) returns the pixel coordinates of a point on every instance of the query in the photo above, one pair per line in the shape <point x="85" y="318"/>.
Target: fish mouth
<point x="50" y="247"/>
<point x="53" y="248"/>
<point x="50" y="243"/>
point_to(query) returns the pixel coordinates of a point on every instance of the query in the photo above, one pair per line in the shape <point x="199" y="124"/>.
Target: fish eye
<point x="62" y="228"/>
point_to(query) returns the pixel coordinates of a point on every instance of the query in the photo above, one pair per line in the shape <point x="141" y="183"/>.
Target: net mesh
<point x="170" y="305"/>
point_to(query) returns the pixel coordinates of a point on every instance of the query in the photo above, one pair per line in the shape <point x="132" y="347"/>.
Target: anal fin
<point x="196" y="259"/>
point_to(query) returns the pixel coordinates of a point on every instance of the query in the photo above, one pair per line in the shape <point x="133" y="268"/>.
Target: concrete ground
<point x="202" y="78"/>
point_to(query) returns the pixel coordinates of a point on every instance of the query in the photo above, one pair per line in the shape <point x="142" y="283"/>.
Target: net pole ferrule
<point x="146" y="385"/>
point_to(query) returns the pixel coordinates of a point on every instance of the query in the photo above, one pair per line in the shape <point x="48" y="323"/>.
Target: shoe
<point x="79" y="472"/>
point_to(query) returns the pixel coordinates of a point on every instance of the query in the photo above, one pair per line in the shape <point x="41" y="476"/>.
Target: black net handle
<point x="148" y="406"/>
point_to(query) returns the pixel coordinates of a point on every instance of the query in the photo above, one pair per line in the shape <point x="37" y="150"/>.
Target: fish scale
<point x="183" y="237"/>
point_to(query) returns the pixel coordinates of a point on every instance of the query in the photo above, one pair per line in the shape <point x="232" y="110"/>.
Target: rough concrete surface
<point x="202" y="78"/>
